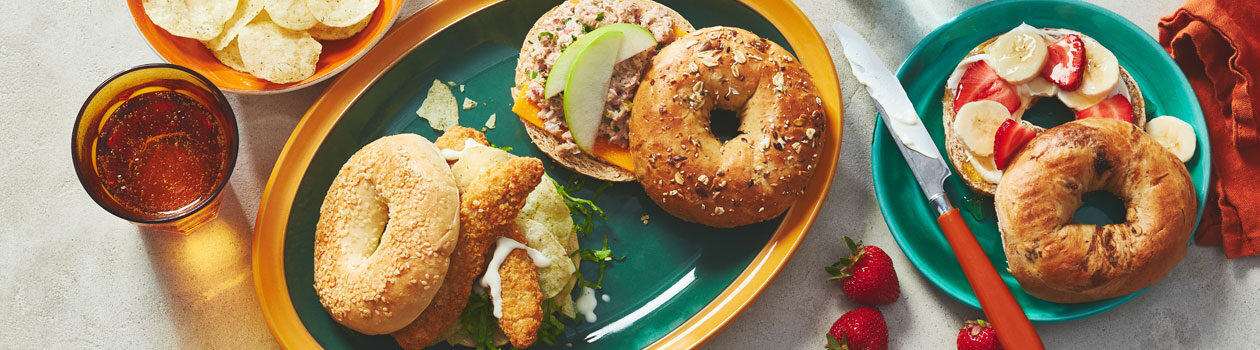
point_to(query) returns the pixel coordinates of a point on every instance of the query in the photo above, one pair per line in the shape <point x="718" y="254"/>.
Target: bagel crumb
<point x="809" y="133"/>
<point x="719" y="210"/>
<point x="678" y="178"/>
<point x="703" y="179"/>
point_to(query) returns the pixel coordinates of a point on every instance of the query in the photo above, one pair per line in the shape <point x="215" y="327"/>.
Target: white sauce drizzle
<point x="585" y="304"/>
<point x="494" y="282"/>
<point x="453" y="155"/>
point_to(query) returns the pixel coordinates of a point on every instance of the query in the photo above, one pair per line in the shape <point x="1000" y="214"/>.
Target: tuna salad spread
<point x="565" y="24"/>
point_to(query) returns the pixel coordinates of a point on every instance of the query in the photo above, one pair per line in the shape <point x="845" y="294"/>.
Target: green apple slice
<point x="588" y="85"/>
<point x="636" y="39"/>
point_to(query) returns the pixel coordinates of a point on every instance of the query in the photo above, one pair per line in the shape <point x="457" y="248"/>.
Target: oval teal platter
<point x="913" y="222"/>
<point x="679" y="282"/>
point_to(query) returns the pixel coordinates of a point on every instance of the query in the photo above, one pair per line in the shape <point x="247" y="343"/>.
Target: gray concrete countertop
<point x="74" y="276"/>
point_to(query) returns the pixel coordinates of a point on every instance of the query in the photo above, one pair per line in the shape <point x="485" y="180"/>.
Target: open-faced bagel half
<point x="548" y="142"/>
<point x="957" y="149"/>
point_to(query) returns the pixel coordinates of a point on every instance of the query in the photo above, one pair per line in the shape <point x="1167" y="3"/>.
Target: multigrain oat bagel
<point x="1061" y="261"/>
<point x="751" y="178"/>
<point x="973" y="169"/>
<point x="544" y="118"/>
<point x="385" y="233"/>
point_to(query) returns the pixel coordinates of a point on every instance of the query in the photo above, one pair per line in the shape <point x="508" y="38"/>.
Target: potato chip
<point x="439" y="108"/>
<point x="474" y="161"/>
<point x="230" y="55"/>
<point x="545" y="206"/>
<point x="553" y="277"/>
<point x="246" y="10"/>
<point x="341" y="13"/>
<point x="291" y="14"/>
<point x="277" y="54"/>
<point x="197" y="19"/>
<point x="324" y="32"/>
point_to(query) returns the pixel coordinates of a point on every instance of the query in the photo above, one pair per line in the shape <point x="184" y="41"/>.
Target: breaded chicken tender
<point x="488" y="209"/>
<point x="453" y="138"/>
<point x="522" y="297"/>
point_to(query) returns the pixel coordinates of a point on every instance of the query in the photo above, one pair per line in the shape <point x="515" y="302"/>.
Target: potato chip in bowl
<point x="263" y="46"/>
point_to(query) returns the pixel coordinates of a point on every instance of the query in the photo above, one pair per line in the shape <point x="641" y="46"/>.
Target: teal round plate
<point x="913" y="222"/>
<point x="679" y="282"/>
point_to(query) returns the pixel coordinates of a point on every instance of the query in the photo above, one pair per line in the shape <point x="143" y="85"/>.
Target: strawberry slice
<point x="981" y="82"/>
<point x="1114" y="107"/>
<point x="1065" y="62"/>
<point x="1009" y="139"/>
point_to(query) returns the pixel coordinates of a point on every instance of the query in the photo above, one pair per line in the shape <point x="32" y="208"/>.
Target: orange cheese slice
<point x="604" y="150"/>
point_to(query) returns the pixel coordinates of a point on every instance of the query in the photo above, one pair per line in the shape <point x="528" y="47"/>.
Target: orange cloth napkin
<point x="1216" y="44"/>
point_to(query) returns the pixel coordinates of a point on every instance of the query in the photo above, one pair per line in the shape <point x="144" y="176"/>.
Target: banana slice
<point x="1102" y="71"/>
<point x="977" y="122"/>
<point x="1078" y="101"/>
<point x="1018" y="55"/>
<point x="1041" y="87"/>
<point x="1174" y="134"/>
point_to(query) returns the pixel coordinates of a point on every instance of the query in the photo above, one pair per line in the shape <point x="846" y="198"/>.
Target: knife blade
<point x="896" y="111"/>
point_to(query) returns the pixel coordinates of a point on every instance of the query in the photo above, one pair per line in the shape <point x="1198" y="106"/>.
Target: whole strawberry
<point x="978" y="335"/>
<point x="867" y="275"/>
<point x="862" y="328"/>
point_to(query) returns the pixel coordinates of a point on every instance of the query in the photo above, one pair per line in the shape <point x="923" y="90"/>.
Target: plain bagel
<point x="1062" y="261"/>
<point x="385" y="234"/>
<point x="751" y="178"/>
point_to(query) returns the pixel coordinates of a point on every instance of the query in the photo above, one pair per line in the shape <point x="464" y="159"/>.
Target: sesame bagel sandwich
<point x="990" y="90"/>
<point x="570" y="107"/>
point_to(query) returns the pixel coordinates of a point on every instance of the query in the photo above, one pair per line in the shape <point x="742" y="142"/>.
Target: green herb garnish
<point x="586" y="209"/>
<point x="479" y="322"/>
<point x="544" y="36"/>
<point x="587" y="29"/>
<point x="599" y="17"/>
<point x="551" y="327"/>
<point x="504" y="148"/>
<point x="602" y="256"/>
<point x="533" y="74"/>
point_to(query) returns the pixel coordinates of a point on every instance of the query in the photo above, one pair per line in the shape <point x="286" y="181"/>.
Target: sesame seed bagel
<point x="385" y="234"/>
<point x="957" y="150"/>
<point x="751" y="178"/>
<point x="1059" y="260"/>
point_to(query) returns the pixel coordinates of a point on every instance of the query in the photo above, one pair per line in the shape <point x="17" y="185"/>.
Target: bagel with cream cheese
<point x="970" y="142"/>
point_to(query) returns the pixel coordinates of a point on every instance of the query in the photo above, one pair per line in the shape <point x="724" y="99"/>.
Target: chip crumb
<point x="451" y="83"/>
<point x="644" y="219"/>
<point x="469" y="104"/>
<point x="439" y="107"/>
<point x="490" y="122"/>
<point x="461" y="87"/>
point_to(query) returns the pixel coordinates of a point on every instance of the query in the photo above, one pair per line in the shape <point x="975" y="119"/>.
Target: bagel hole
<point x="724" y="124"/>
<point x="1100" y="208"/>
<point x="1048" y="113"/>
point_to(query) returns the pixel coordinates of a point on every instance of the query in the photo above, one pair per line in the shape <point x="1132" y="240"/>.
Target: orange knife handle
<point x="1014" y="330"/>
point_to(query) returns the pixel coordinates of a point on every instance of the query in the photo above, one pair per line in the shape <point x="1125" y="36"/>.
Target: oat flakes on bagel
<point x="978" y="169"/>
<point x="1057" y="259"/>
<point x="756" y="175"/>
<point x="543" y="118"/>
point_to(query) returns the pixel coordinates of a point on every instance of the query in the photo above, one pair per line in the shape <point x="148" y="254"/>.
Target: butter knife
<point x="1014" y="330"/>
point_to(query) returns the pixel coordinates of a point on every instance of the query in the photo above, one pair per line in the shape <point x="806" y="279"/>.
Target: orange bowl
<point x="336" y="56"/>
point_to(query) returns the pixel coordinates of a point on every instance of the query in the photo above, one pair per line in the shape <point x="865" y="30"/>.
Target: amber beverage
<point x="155" y="145"/>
